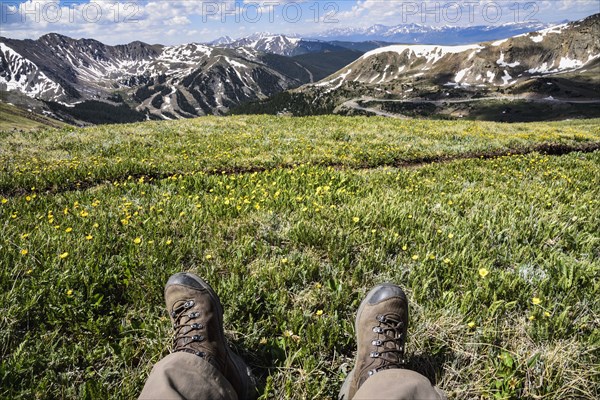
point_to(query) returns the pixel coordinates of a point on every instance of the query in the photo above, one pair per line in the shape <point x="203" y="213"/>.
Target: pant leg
<point x="398" y="384"/>
<point x="186" y="376"/>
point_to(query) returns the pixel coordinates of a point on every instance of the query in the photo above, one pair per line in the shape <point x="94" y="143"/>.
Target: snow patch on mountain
<point x="539" y="36"/>
<point x="340" y="78"/>
<point x="499" y="42"/>
<point x="503" y="63"/>
<point x="25" y="76"/>
<point x="430" y="52"/>
<point x="461" y="74"/>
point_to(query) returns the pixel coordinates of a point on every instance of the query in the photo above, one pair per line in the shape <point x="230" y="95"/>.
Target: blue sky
<point x="174" y="22"/>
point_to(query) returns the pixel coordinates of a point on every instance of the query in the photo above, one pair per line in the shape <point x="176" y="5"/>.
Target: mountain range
<point x="85" y="80"/>
<point x="556" y="64"/>
<point x="425" y="34"/>
<point x="167" y="82"/>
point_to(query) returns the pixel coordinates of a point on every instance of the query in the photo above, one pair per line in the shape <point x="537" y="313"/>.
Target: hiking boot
<point x="197" y="317"/>
<point x="381" y="324"/>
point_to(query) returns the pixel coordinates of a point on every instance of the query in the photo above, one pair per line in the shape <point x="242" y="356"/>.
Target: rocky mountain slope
<point x="157" y="81"/>
<point x="556" y="63"/>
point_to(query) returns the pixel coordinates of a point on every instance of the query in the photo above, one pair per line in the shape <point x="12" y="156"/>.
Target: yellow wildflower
<point x="483" y="272"/>
<point x="288" y="333"/>
<point x="536" y="300"/>
<point x="137" y="240"/>
<point x="63" y="255"/>
<point x="355" y="219"/>
<point x="24" y="252"/>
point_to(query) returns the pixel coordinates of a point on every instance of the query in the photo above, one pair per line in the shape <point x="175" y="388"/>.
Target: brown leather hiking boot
<point x="381" y="324"/>
<point x="197" y="317"/>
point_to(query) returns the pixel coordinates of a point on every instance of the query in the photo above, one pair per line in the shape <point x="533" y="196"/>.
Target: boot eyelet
<point x="376" y="343"/>
<point x="200" y="353"/>
<point x="197" y="326"/>
<point x="189" y="304"/>
<point x="194" y="314"/>
<point x="197" y="338"/>
<point x="377" y="329"/>
<point x="374" y="354"/>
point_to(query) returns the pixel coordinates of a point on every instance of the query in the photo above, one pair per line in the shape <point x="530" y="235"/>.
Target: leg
<point x="398" y="384"/>
<point x="186" y="376"/>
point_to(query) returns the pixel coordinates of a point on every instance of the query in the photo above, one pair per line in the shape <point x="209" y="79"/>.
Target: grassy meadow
<point x="16" y="119"/>
<point x="292" y="221"/>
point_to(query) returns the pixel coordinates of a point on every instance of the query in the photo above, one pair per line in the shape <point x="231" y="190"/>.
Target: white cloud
<point x="108" y="21"/>
<point x="179" y="20"/>
<point x="126" y="20"/>
<point x="464" y="12"/>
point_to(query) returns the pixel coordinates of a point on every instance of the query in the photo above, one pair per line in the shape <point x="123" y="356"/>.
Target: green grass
<point x="14" y="118"/>
<point x="323" y="217"/>
<point x="57" y="160"/>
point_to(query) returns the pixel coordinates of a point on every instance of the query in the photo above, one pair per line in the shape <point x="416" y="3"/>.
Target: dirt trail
<point x="354" y="103"/>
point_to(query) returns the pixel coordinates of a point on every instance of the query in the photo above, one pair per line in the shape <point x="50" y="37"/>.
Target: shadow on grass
<point x="429" y="365"/>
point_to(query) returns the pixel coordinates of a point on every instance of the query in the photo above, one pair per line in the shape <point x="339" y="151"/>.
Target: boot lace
<point x="184" y="328"/>
<point x="389" y="344"/>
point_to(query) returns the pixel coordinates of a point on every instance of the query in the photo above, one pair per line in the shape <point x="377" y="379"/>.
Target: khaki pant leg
<point x="186" y="376"/>
<point x="398" y="384"/>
